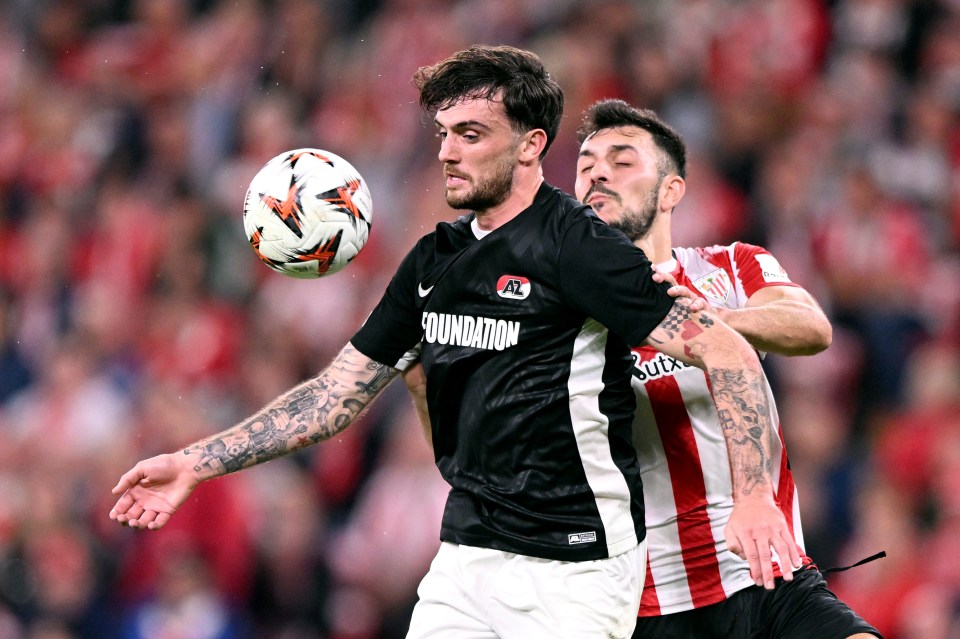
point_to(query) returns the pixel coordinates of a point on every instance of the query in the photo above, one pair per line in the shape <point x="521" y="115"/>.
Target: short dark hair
<point x="531" y="98"/>
<point x="611" y="114"/>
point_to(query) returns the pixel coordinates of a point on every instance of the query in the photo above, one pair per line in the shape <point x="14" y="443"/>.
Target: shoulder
<point x="730" y="257"/>
<point x="551" y="200"/>
<point x="725" y="252"/>
<point x="570" y="214"/>
<point x="459" y="227"/>
<point x="446" y="236"/>
<point x="750" y="265"/>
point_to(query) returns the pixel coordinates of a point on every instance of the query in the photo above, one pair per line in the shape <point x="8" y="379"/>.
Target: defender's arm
<point x="315" y="410"/>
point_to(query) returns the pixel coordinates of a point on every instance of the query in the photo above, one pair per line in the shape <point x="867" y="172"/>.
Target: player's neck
<point x="525" y="187"/>
<point x="657" y="242"/>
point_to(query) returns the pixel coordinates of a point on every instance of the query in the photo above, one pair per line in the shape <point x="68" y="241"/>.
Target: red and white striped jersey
<point x="683" y="456"/>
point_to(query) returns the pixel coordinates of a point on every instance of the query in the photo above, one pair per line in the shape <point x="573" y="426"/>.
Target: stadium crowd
<point x="135" y="318"/>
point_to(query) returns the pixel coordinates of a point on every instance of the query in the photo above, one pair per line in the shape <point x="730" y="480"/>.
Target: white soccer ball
<point x="307" y="213"/>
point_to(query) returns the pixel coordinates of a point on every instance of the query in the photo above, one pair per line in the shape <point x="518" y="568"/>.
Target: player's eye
<point x="586" y="168"/>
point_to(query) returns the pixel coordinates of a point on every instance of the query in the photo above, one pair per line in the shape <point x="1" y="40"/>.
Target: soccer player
<point x="631" y="171"/>
<point x="522" y="312"/>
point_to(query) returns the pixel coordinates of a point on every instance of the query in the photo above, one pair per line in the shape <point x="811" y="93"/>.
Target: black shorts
<point x="800" y="609"/>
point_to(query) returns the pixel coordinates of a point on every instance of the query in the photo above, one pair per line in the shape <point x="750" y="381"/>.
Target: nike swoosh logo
<point x="423" y="291"/>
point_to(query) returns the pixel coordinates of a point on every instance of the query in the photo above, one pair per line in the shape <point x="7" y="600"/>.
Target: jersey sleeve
<point x="757" y="268"/>
<point x="392" y="331"/>
<point x="611" y="280"/>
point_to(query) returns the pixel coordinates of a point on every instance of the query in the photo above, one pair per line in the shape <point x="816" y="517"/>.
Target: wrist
<point x="196" y="466"/>
<point x="756" y="496"/>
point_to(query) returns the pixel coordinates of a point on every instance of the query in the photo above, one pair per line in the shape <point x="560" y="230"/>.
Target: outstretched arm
<point x="315" y="410"/>
<point x="738" y="388"/>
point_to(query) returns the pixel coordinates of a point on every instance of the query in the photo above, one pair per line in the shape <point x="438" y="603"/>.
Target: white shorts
<point x="478" y="593"/>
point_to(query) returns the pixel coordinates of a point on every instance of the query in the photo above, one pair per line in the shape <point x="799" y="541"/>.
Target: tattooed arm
<point x="313" y="411"/>
<point x="739" y="393"/>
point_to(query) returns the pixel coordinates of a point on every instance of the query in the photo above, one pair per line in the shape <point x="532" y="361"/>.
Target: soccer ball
<point x="307" y="213"/>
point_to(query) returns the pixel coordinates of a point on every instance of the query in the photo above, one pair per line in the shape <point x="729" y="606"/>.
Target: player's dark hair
<point x="531" y="98"/>
<point x="611" y="114"/>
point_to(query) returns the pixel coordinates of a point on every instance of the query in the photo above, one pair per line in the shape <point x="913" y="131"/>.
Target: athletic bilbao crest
<point x="715" y="285"/>
<point x="513" y="287"/>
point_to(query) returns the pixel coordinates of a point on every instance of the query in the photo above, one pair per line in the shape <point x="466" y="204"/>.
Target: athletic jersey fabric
<point x="529" y="392"/>
<point x="683" y="455"/>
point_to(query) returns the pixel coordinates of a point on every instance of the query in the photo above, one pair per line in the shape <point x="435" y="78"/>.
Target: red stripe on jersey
<point x="649" y="599"/>
<point x="686" y="477"/>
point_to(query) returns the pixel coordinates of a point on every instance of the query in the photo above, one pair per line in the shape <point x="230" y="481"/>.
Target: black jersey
<point x="529" y="392"/>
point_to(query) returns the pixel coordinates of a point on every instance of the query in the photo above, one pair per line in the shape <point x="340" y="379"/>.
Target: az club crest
<point x="513" y="287"/>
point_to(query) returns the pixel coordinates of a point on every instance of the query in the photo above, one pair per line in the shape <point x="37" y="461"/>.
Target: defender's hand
<point x="756" y="526"/>
<point x="697" y="303"/>
<point x="153" y="490"/>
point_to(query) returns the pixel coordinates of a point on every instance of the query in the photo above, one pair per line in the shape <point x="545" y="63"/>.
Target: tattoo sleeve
<point x="744" y="412"/>
<point x="738" y="388"/>
<point x="309" y="413"/>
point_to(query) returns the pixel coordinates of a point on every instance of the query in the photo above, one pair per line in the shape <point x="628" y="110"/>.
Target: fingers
<point x="734" y="546"/>
<point x="748" y="551"/>
<point x="764" y="560"/>
<point x="758" y="548"/>
<point x="696" y="303"/>
<point x="139" y="518"/>
<point x="160" y="521"/>
<point x="796" y="561"/>
<point x="149" y="520"/>
<point x="119" y="512"/>
<point x="128" y="480"/>
<point x="760" y="570"/>
<point x="790" y="553"/>
<point x="661" y="277"/>
<point x="150" y="493"/>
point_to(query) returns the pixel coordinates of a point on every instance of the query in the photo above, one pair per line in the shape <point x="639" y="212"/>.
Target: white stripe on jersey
<point x="591" y="429"/>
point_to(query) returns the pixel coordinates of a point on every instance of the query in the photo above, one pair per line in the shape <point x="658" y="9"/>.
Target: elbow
<point x="820" y="339"/>
<point x="826" y="336"/>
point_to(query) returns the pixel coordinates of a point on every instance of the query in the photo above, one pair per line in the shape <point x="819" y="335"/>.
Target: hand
<point x="151" y="491"/>
<point x="756" y="526"/>
<point x="697" y="303"/>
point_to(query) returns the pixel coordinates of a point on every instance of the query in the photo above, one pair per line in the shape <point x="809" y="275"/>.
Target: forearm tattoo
<point x="311" y="412"/>
<point x="679" y="323"/>
<point x="740" y="397"/>
<point x="744" y="412"/>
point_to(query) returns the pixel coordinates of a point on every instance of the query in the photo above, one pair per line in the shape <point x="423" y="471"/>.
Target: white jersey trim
<point x="591" y="431"/>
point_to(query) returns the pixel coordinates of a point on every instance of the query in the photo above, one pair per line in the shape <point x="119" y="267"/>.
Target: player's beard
<point x="487" y="191"/>
<point x="635" y="223"/>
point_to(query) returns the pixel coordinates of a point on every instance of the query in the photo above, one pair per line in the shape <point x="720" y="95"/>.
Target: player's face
<point x="617" y="175"/>
<point x="479" y="151"/>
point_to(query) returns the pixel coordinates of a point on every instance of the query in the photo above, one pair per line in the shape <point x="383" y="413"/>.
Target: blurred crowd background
<point x="134" y="317"/>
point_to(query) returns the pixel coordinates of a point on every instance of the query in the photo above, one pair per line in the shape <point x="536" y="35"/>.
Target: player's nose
<point x="599" y="173"/>
<point x="448" y="151"/>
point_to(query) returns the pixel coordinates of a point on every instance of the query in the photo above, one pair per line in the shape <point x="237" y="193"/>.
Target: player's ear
<point x="671" y="191"/>
<point x="532" y="144"/>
